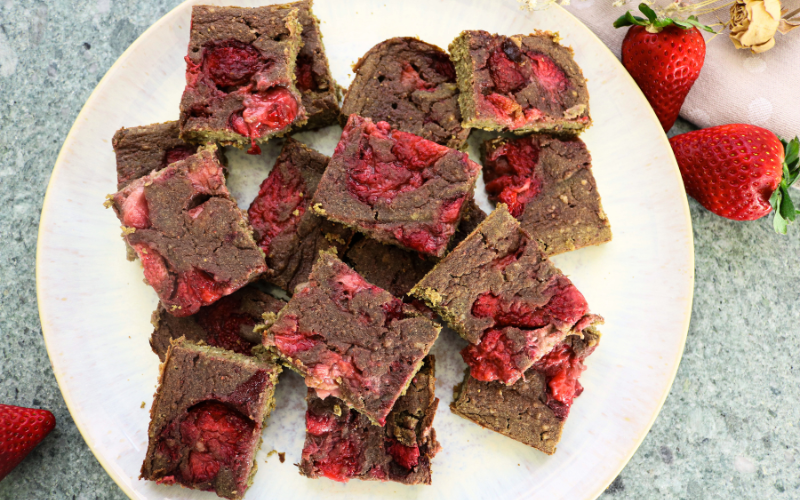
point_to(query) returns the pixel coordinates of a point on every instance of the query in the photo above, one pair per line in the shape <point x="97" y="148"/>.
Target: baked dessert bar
<point x="141" y="150"/>
<point x="501" y="294"/>
<point x="412" y="86"/>
<point x="351" y="339"/>
<point x="396" y="187"/>
<point x="290" y="234"/>
<point x="523" y="83"/>
<point x="534" y="409"/>
<point x="193" y="241"/>
<point x="207" y="417"/>
<point x="240" y="77"/>
<point x="227" y="323"/>
<point x="548" y="185"/>
<point x="342" y="444"/>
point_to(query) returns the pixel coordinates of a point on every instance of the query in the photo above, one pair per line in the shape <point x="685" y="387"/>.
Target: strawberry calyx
<point x="781" y="202"/>
<point x="654" y="24"/>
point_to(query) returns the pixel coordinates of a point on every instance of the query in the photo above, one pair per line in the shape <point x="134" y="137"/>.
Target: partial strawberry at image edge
<point x="740" y="171"/>
<point x="664" y="56"/>
<point x="21" y="430"/>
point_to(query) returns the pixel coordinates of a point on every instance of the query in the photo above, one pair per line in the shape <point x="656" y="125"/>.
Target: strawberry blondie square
<point x="193" y="241"/>
<point x="522" y="83"/>
<point x="396" y="187"/>
<point x="351" y="339"/>
<point x="534" y="409"/>
<point x="501" y="293"/>
<point x="547" y="184"/>
<point x="240" y="75"/>
<point x="411" y="85"/>
<point x="342" y="444"/>
<point x="207" y="417"/>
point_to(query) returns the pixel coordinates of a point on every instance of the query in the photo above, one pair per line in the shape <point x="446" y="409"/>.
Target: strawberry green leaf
<point x="630" y="20"/>
<point x="775" y="198"/>
<point x="662" y="23"/>
<point x="647" y="11"/>
<point x="693" y="21"/>
<point x="653" y="20"/>
<point x="779" y="223"/>
<point x="792" y="153"/>
<point x="787" y="207"/>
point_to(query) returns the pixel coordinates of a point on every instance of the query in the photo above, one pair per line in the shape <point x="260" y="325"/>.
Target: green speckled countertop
<point x="729" y="429"/>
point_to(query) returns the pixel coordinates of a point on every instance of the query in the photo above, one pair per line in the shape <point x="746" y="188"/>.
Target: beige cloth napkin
<point x="735" y="86"/>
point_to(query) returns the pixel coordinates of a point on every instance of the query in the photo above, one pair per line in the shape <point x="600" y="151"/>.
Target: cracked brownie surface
<point x="141" y="150"/>
<point x="312" y="75"/>
<point x="412" y="86"/>
<point x="523" y="83"/>
<point x="351" y="339"/>
<point x="396" y="187"/>
<point x="240" y="68"/>
<point x="534" y="409"/>
<point x="290" y="234"/>
<point x="193" y="241"/>
<point x="547" y="184"/>
<point x="342" y="444"/>
<point x="207" y="417"/>
<point x="227" y="323"/>
<point x="501" y="294"/>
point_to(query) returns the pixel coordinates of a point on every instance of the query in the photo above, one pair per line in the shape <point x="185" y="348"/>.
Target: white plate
<point x="95" y="309"/>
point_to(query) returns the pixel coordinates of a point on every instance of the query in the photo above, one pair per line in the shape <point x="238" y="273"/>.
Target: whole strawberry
<point x="21" y="429"/>
<point x="664" y="57"/>
<point x="738" y="171"/>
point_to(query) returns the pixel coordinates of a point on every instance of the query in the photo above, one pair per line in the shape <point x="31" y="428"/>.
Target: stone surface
<point x="729" y="429"/>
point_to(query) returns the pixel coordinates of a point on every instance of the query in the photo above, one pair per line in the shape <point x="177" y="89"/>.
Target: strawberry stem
<point x="654" y="24"/>
<point x="781" y="201"/>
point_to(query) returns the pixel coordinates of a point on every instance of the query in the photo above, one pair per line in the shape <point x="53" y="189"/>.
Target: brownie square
<point x="240" y="86"/>
<point x="396" y="187"/>
<point x="227" y="323"/>
<point x="412" y="86"/>
<point x="312" y="75"/>
<point x="501" y="293"/>
<point x="342" y="444"/>
<point x="290" y="234"/>
<point x="397" y="270"/>
<point x="533" y="410"/>
<point x="207" y="417"/>
<point x="548" y="185"/>
<point x="141" y="150"/>
<point x="523" y="83"/>
<point x="351" y="339"/>
<point x="193" y="241"/>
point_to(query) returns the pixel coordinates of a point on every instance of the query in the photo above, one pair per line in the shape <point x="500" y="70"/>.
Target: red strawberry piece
<point x="664" y="57"/>
<point x="738" y="171"/>
<point x="21" y="429"/>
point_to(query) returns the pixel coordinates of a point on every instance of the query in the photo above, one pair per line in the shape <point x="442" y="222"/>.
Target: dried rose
<point x="754" y="23"/>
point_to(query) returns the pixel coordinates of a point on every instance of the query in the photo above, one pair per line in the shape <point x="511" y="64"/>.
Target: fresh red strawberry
<point x="738" y="171"/>
<point x="21" y="429"/>
<point x="664" y="57"/>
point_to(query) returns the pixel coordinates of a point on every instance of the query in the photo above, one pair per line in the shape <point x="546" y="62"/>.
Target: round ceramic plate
<point x="95" y="308"/>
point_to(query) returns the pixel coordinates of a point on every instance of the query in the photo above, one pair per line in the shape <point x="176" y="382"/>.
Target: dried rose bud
<point x="754" y="23"/>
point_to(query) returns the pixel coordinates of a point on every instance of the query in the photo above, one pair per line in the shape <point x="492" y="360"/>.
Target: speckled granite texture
<point x="729" y="429"/>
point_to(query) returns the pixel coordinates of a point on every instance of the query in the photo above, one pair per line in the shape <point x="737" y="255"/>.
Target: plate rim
<point x="41" y="235"/>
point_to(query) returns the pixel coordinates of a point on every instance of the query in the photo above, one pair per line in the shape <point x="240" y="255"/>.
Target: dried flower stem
<point x="792" y="14"/>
